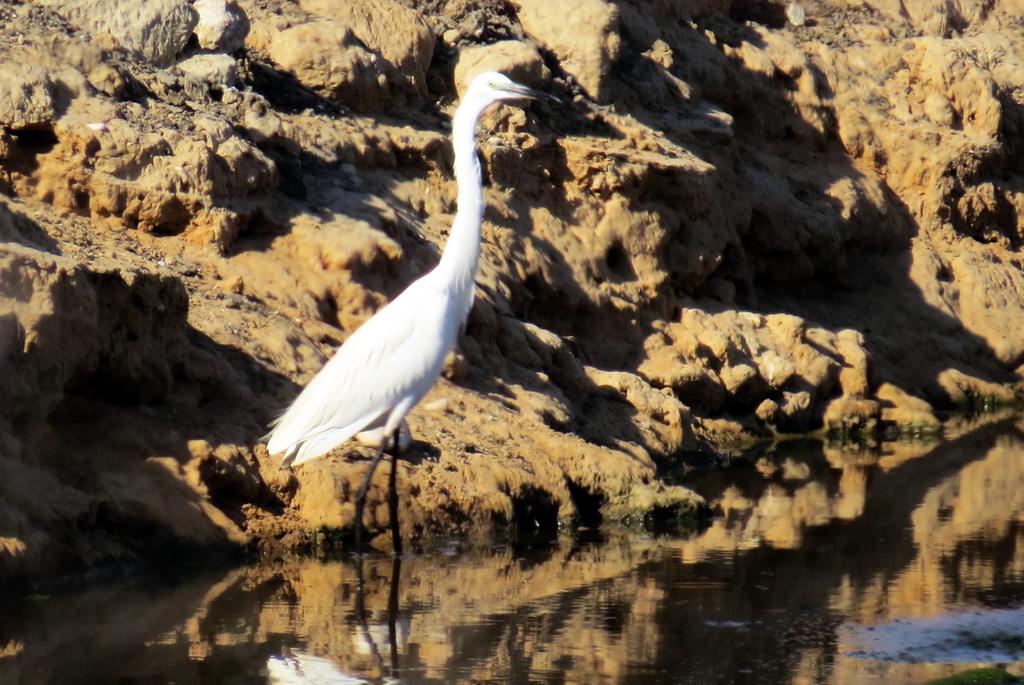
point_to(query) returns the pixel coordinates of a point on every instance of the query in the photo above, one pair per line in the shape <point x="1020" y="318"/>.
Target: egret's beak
<point x="529" y="93"/>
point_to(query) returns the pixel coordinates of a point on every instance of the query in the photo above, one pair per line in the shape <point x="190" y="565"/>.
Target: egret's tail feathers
<point x="269" y="437"/>
<point x="301" y="447"/>
<point x="277" y="441"/>
<point x="316" y="446"/>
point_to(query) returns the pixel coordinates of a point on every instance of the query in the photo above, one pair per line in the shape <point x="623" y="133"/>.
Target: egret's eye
<point x="493" y="85"/>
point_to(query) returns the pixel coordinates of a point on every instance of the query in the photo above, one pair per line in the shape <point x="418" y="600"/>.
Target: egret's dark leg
<point x="396" y="536"/>
<point x="361" y="496"/>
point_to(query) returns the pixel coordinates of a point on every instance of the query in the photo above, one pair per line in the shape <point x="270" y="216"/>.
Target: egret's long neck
<point x="462" y="251"/>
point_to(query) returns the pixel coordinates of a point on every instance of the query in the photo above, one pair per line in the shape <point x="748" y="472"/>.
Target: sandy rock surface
<point x="398" y="34"/>
<point x="734" y="227"/>
<point x="26" y="97"/>
<point x="156" y="31"/>
<point x="520" y="60"/>
<point x="220" y="25"/>
<point x="582" y="34"/>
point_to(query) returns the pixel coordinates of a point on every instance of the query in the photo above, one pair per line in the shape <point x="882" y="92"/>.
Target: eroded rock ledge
<point x="734" y="228"/>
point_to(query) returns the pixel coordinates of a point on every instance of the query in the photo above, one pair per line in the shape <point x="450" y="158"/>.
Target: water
<point x="825" y="565"/>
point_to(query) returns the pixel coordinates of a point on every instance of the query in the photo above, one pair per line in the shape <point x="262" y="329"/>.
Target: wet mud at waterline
<point x="823" y="564"/>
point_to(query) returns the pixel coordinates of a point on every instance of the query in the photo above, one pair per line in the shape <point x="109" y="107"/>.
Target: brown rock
<point x="396" y="33"/>
<point x="121" y="333"/>
<point x="326" y="57"/>
<point x="909" y="413"/>
<point x="795" y="410"/>
<point x="517" y="59"/>
<point x="775" y="369"/>
<point x="853" y="376"/>
<point x="740" y="381"/>
<point x="25" y="95"/>
<point x="694" y="383"/>
<point x="210" y="70"/>
<point x="222" y="25"/>
<point x="665" y="422"/>
<point x="156" y="181"/>
<point x="156" y="31"/>
<point x="108" y="80"/>
<point x="851" y="416"/>
<point x="583" y="34"/>
<point x="970" y="391"/>
<point x="224" y="471"/>
<point x="768" y="411"/>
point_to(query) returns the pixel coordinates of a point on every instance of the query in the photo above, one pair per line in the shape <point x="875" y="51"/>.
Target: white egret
<point x="387" y="365"/>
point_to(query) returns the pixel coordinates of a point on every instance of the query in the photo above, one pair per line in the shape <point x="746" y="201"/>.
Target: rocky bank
<point x="748" y="219"/>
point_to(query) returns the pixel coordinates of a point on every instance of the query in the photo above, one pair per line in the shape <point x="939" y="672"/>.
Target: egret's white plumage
<point x="387" y="365"/>
<point x="373" y="380"/>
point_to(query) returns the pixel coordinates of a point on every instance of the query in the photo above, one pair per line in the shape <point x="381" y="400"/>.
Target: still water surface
<point x="824" y="565"/>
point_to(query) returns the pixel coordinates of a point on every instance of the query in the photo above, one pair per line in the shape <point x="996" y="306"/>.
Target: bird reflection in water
<point x="392" y="618"/>
<point x="299" y="668"/>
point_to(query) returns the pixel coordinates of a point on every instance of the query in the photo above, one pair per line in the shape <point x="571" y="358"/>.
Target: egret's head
<point x="491" y="86"/>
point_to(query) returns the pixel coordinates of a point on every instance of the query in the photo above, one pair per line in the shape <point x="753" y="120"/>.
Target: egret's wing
<point x="386" y="358"/>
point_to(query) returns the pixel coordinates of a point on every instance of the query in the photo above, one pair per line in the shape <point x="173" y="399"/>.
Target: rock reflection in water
<point x="813" y="542"/>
